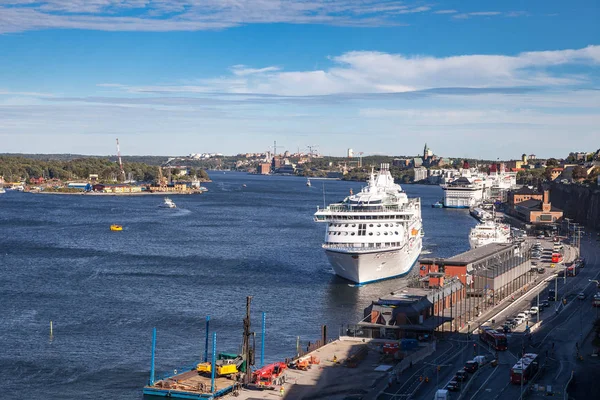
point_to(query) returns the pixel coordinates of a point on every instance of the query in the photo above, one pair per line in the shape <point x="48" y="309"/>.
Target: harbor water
<point x="169" y="268"/>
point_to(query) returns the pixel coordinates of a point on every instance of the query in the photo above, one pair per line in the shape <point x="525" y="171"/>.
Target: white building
<point x="420" y="174"/>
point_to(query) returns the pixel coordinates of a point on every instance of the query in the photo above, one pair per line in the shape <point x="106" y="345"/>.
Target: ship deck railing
<point x="358" y="247"/>
<point x="362" y="209"/>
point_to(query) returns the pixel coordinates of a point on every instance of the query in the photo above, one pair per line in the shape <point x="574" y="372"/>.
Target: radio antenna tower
<point x="120" y="162"/>
<point x="275" y="147"/>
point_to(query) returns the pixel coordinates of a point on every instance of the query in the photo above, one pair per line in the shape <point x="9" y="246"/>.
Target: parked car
<point x="506" y="328"/>
<point x="534" y="310"/>
<point x="471" y="366"/>
<point x="541" y="270"/>
<point x="545" y="303"/>
<point x="522" y="316"/>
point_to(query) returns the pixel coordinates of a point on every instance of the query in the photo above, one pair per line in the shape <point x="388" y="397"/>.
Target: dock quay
<point x="339" y="375"/>
<point x="451" y="295"/>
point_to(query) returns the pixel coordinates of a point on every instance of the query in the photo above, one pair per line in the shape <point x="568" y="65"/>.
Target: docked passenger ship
<point x="489" y="232"/>
<point x="462" y="193"/>
<point x="374" y="234"/>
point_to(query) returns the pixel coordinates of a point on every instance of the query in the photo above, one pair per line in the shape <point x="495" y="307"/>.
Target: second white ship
<point x="489" y="232"/>
<point x="375" y="234"/>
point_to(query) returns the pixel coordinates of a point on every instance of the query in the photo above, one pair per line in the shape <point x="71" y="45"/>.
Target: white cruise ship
<point x="489" y="232"/>
<point x="374" y="234"/>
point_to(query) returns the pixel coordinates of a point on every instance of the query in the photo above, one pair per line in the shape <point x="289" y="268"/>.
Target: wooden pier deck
<point x="190" y="385"/>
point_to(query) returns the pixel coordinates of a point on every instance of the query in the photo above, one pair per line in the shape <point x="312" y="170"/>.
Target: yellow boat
<point x="116" y="227"/>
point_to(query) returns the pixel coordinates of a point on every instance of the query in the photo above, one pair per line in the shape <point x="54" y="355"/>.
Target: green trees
<point x="17" y="168"/>
<point x="579" y="172"/>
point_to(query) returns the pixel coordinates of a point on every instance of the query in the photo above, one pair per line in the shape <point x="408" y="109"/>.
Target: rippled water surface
<point x="169" y="268"/>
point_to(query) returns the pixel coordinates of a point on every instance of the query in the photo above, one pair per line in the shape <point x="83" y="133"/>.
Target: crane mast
<point x="120" y="162"/>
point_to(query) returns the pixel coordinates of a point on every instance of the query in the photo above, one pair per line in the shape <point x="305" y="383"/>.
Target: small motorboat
<point x="437" y="204"/>
<point x="115" y="227"/>
<point x="168" y="203"/>
<point x="308" y="183"/>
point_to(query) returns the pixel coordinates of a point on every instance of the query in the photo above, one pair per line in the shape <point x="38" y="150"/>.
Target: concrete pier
<point x="329" y="379"/>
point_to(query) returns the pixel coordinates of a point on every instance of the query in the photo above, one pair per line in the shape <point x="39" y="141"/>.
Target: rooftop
<point x="472" y="256"/>
<point x="526" y="190"/>
<point x="535" y="205"/>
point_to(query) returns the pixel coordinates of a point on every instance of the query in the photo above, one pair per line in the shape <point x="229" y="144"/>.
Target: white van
<point x="479" y="360"/>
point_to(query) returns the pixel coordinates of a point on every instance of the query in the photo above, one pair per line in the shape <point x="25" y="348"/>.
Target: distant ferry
<point x="374" y="234"/>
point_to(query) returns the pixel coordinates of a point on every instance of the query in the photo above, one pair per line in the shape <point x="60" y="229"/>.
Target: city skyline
<point x="381" y="77"/>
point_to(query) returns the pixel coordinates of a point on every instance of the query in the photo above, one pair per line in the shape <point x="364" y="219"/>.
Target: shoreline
<point x="115" y="194"/>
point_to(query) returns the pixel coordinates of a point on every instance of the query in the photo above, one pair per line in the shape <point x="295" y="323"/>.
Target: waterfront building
<point x="534" y="210"/>
<point x="264" y="168"/>
<point x="414" y="311"/>
<point x="420" y="174"/>
<point x="490" y="273"/>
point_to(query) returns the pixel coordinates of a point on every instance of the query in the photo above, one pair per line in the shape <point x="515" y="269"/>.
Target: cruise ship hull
<point x="361" y="267"/>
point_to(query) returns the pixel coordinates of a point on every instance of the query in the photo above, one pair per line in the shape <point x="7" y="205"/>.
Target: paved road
<point x="556" y="339"/>
<point x="563" y="328"/>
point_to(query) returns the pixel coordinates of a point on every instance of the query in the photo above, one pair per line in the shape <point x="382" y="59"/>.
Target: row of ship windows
<point x="370" y="233"/>
<point x="355" y="217"/>
<point x="393" y="244"/>
<point x="354" y="225"/>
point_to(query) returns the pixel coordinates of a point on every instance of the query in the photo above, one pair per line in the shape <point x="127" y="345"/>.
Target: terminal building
<point x="490" y="274"/>
<point x="450" y="292"/>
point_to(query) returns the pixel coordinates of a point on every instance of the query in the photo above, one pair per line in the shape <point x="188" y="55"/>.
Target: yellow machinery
<point x="224" y="367"/>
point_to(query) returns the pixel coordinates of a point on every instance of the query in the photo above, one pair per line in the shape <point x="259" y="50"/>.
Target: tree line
<point x="17" y="168"/>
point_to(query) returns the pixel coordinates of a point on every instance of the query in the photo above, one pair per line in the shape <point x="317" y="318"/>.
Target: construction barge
<point x="221" y="375"/>
<point x="190" y="385"/>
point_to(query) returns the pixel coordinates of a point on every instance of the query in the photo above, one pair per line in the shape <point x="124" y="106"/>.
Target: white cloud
<point x="243" y="70"/>
<point x="482" y="116"/>
<point x="190" y="15"/>
<point x="445" y="12"/>
<point x="467" y="15"/>
<point x="376" y="72"/>
<point x="20" y="93"/>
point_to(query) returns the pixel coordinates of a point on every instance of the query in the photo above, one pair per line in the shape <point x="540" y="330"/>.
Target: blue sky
<point x="172" y="77"/>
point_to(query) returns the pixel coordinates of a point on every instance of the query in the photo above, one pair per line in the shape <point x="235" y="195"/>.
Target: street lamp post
<point x="538" y="306"/>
